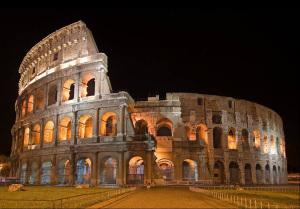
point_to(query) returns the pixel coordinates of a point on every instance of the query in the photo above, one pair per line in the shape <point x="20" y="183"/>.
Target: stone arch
<point x="231" y="138"/>
<point x="30" y="104"/>
<point x="24" y="104"/>
<point x="46" y="172"/>
<point x="26" y="137"/>
<point x="189" y="170"/>
<point x="136" y="170"/>
<point x="217" y="137"/>
<point x="63" y="172"/>
<point x="36" y="134"/>
<point x="164" y="127"/>
<point x="141" y="127"/>
<point x="256" y="139"/>
<point x="34" y="172"/>
<point x="65" y="128"/>
<point x="68" y="90"/>
<point x="248" y="174"/>
<point x="49" y="132"/>
<point x="219" y="173"/>
<point x="267" y="174"/>
<point x="83" y="171"/>
<point x="259" y="174"/>
<point x="166" y="168"/>
<point x="108" y="170"/>
<point x="87" y="87"/>
<point x="85" y="126"/>
<point x="275" y="175"/>
<point x="108" y="124"/>
<point x="245" y="140"/>
<point x="52" y="94"/>
<point x="201" y="133"/>
<point x="234" y="172"/>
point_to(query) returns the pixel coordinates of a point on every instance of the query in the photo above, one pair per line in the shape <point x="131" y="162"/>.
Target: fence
<point x="243" y="202"/>
<point x="254" y="188"/>
<point x="77" y="201"/>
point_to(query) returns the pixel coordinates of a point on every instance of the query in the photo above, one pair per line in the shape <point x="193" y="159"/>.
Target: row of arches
<point x="235" y="172"/>
<point x="274" y="145"/>
<point x="108" y="127"/>
<point x="86" y="88"/>
<point x="108" y="171"/>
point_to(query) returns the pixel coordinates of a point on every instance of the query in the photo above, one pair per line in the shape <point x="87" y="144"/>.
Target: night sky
<point x="250" y="54"/>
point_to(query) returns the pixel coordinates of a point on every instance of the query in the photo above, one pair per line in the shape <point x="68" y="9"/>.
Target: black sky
<point x="251" y="54"/>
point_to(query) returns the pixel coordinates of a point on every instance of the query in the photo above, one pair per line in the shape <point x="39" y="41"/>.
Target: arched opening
<point x="39" y="99"/>
<point x="65" y="129"/>
<point x="34" y="173"/>
<point x="85" y="126"/>
<point x="164" y="127"/>
<point x="46" y="172"/>
<point x="166" y="168"/>
<point x="141" y="127"/>
<point x="219" y="177"/>
<point x="109" y="171"/>
<point x="48" y="132"/>
<point x="259" y="174"/>
<point x="248" y="174"/>
<point x="201" y="133"/>
<point x="108" y="124"/>
<point x="265" y="141"/>
<point x="136" y="170"/>
<point x="64" y="172"/>
<point x="274" y="175"/>
<point x="267" y="174"/>
<point x="232" y="143"/>
<point x="68" y="90"/>
<point x="256" y="139"/>
<point x="189" y="170"/>
<point x="245" y="140"/>
<point x="23" y="108"/>
<point x="83" y="171"/>
<point x="23" y="173"/>
<point x="26" y="137"/>
<point x="52" y="94"/>
<point x="36" y="134"/>
<point x="272" y="145"/>
<point x="217" y="137"/>
<point x="87" y="87"/>
<point x="30" y="104"/>
<point x="234" y="172"/>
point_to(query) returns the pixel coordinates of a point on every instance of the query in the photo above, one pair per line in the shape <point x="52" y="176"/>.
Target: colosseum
<point x="72" y="129"/>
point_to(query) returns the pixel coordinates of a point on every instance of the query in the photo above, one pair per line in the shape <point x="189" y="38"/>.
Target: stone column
<point x="53" y="170"/>
<point x="97" y="83"/>
<point x="56" y="130"/>
<point x="74" y="128"/>
<point x="148" y="167"/>
<point x="42" y="133"/>
<point x="94" y="170"/>
<point x="95" y="123"/>
<point x="59" y="90"/>
<point x="76" y="87"/>
<point x="242" y="173"/>
<point x="253" y="173"/>
<point x="121" y="117"/>
<point x="72" y="167"/>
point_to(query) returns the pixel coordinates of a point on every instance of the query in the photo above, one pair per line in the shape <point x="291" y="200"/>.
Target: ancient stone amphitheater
<point x="71" y="129"/>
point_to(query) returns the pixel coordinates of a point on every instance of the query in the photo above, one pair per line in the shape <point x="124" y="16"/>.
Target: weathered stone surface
<point x="74" y="130"/>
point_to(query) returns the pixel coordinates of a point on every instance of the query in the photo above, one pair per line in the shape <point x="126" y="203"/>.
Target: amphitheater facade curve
<point x="71" y="129"/>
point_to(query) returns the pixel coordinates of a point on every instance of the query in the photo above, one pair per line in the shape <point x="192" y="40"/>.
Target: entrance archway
<point x="83" y="171"/>
<point x="189" y="170"/>
<point x="219" y="177"/>
<point x="234" y="173"/>
<point x="63" y="172"/>
<point x="166" y="168"/>
<point x="135" y="170"/>
<point x="109" y="171"/>
<point x="248" y="174"/>
<point x="46" y="172"/>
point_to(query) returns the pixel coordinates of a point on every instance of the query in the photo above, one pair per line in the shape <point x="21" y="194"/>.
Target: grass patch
<point x="46" y="197"/>
<point x="273" y="197"/>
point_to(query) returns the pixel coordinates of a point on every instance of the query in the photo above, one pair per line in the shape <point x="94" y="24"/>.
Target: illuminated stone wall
<point x="71" y="129"/>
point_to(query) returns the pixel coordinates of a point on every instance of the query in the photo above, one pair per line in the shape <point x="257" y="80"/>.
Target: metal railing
<point x="240" y="200"/>
<point x="76" y="201"/>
